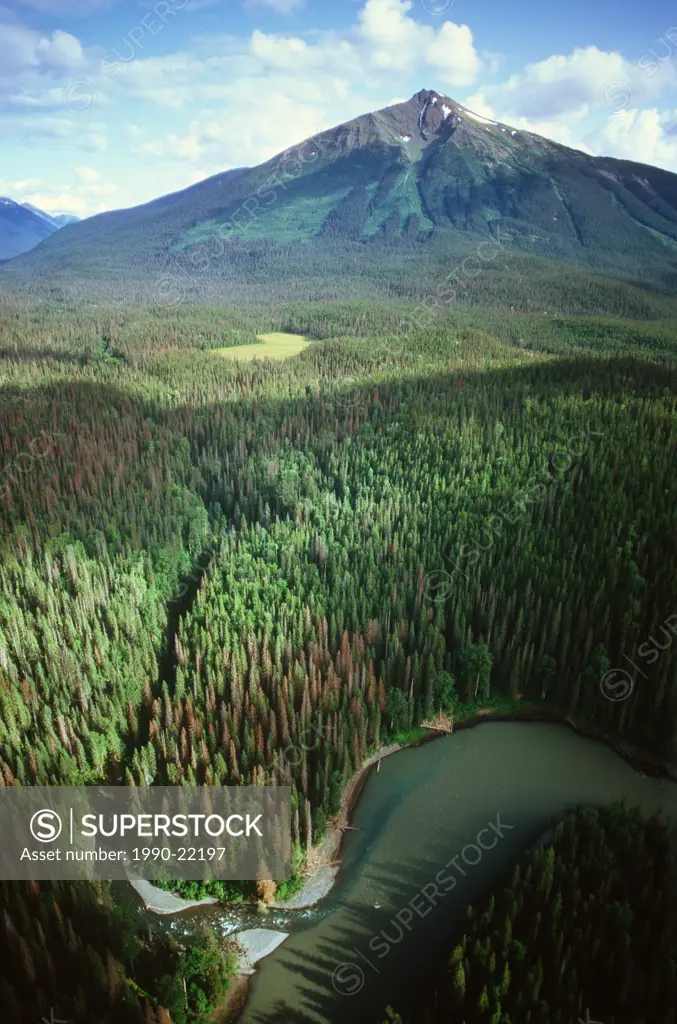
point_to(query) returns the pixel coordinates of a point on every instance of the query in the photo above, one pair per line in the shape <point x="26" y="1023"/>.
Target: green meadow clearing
<point x="273" y="346"/>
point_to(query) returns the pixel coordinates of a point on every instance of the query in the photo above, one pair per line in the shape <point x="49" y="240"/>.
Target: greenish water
<point x="423" y="807"/>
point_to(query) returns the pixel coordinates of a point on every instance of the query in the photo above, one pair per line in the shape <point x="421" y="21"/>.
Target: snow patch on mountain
<point x="478" y="117"/>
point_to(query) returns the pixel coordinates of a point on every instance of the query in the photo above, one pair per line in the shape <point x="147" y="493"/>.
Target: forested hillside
<point x="585" y="929"/>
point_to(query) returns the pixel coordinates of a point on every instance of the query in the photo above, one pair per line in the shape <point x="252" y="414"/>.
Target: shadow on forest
<point x="31" y="355"/>
<point x="583" y="376"/>
<point x="255" y="426"/>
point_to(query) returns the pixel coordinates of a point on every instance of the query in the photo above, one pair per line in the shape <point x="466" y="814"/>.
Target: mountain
<point x="63" y="219"/>
<point x="20" y="228"/>
<point x="57" y="220"/>
<point x="426" y="177"/>
<point x="23" y="226"/>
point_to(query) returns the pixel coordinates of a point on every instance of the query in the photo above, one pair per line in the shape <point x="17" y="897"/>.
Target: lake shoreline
<point x="322" y="866"/>
<point x="330" y="847"/>
<point x="321" y="873"/>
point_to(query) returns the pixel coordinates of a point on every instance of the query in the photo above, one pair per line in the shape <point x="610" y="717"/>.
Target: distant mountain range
<point x="23" y="226"/>
<point x="58" y="220"/>
<point x="426" y="175"/>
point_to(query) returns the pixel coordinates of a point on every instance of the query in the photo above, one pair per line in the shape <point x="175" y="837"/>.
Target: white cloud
<point x="60" y="52"/>
<point x="646" y="136"/>
<point x="564" y="129"/>
<point x="25" y="183"/>
<point x="88" y="175"/>
<point x="55" y="202"/>
<point x="452" y="55"/>
<point x="251" y="132"/>
<point x="569" y="98"/>
<point x="41" y="71"/>
<point x="397" y="43"/>
<point x="284" y="53"/>
<point x="173" y="147"/>
<point x="23" y="49"/>
<point x="88" y="136"/>
<point x="384" y="41"/>
<point x="572" y="85"/>
<point x="48" y="98"/>
<point x="279" y="6"/>
<point x="85" y="194"/>
<point x="164" y="81"/>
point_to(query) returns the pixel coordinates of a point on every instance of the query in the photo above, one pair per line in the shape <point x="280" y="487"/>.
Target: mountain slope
<point x="57" y="220"/>
<point x="20" y="228"/>
<point x="426" y="172"/>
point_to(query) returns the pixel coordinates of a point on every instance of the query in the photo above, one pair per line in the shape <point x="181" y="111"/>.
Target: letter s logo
<point x="46" y="826"/>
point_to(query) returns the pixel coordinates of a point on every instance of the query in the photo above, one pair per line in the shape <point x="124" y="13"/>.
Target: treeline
<point x="585" y="929"/>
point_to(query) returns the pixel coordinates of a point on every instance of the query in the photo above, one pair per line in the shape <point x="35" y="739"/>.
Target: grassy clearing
<point x="273" y="346"/>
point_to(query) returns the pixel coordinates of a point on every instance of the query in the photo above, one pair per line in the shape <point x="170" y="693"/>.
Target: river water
<point x="345" y="960"/>
<point x="414" y="816"/>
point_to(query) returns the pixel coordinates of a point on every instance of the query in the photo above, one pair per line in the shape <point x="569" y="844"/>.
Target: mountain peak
<point x="426" y="115"/>
<point x="429" y="94"/>
<point x="432" y="114"/>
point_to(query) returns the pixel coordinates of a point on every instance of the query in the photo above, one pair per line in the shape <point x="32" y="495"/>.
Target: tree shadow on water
<point x="341" y="978"/>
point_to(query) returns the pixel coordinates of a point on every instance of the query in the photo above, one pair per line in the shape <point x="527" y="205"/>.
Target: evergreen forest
<point x="584" y="929"/>
<point x="207" y="561"/>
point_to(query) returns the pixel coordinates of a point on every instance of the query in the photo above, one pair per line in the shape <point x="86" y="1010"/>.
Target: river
<point x="424" y="806"/>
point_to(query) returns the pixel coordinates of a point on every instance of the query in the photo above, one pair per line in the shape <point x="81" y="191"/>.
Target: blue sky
<point x="109" y="103"/>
